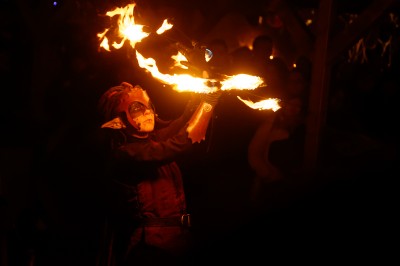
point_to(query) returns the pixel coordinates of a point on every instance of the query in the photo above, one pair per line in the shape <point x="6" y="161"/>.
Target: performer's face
<point x="143" y="117"/>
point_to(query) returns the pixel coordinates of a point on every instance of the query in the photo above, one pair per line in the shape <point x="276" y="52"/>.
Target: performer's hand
<point x="195" y="97"/>
<point x="194" y="100"/>
<point x="212" y="98"/>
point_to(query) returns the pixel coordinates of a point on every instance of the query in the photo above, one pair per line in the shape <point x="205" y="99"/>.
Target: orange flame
<point x="134" y="33"/>
<point x="164" y="27"/>
<point x="241" y="82"/>
<point x="178" y="58"/>
<point x="178" y="82"/>
<point x="271" y="103"/>
<point x="127" y="28"/>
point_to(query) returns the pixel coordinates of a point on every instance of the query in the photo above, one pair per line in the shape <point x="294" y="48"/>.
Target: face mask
<point x="137" y="109"/>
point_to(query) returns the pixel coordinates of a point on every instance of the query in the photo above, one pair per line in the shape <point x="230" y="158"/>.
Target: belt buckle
<point x="185" y="220"/>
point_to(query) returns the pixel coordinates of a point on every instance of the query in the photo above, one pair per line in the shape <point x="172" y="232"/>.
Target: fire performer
<point x="149" y="217"/>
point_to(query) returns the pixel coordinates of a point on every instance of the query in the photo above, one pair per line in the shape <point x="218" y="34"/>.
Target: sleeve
<point x="176" y="125"/>
<point x="164" y="145"/>
<point x="151" y="150"/>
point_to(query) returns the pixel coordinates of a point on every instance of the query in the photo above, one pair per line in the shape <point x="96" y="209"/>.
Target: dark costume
<point x="149" y="213"/>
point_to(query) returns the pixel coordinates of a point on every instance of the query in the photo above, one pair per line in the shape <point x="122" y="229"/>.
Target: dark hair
<point x="109" y="101"/>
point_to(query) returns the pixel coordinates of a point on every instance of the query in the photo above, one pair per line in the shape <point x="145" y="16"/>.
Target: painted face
<point x="142" y="116"/>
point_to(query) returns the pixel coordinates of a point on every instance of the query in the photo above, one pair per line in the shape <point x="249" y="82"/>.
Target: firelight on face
<point x="145" y="121"/>
<point x="137" y="109"/>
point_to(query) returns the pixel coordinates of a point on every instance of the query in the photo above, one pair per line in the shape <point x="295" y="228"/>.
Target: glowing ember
<point x="263" y="105"/>
<point x="134" y="33"/>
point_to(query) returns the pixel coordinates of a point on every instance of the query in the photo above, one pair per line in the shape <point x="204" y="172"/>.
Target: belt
<point x="183" y="220"/>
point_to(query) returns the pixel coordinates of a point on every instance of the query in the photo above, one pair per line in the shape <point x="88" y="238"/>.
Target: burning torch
<point x="194" y="58"/>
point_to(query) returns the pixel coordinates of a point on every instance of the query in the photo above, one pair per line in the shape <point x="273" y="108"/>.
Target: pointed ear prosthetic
<point x="117" y="100"/>
<point x="116" y="123"/>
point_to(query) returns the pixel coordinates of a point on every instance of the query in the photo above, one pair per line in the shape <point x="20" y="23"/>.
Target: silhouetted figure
<point x="268" y="66"/>
<point x="242" y="61"/>
<point x="262" y="53"/>
<point x="276" y="150"/>
<point x="221" y="62"/>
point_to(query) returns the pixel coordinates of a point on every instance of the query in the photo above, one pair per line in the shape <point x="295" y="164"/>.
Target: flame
<point x="267" y="104"/>
<point x="164" y="27"/>
<point x="241" y="82"/>
<point x="185" y="82"/>
<point x="127" y="27"/>
<point x="129" y="31"/>
<point x="180" y="83"/>
<point x="177" y="60"/>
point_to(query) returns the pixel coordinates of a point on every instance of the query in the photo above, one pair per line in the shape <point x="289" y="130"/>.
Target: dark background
<point x="51" y="183"/>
